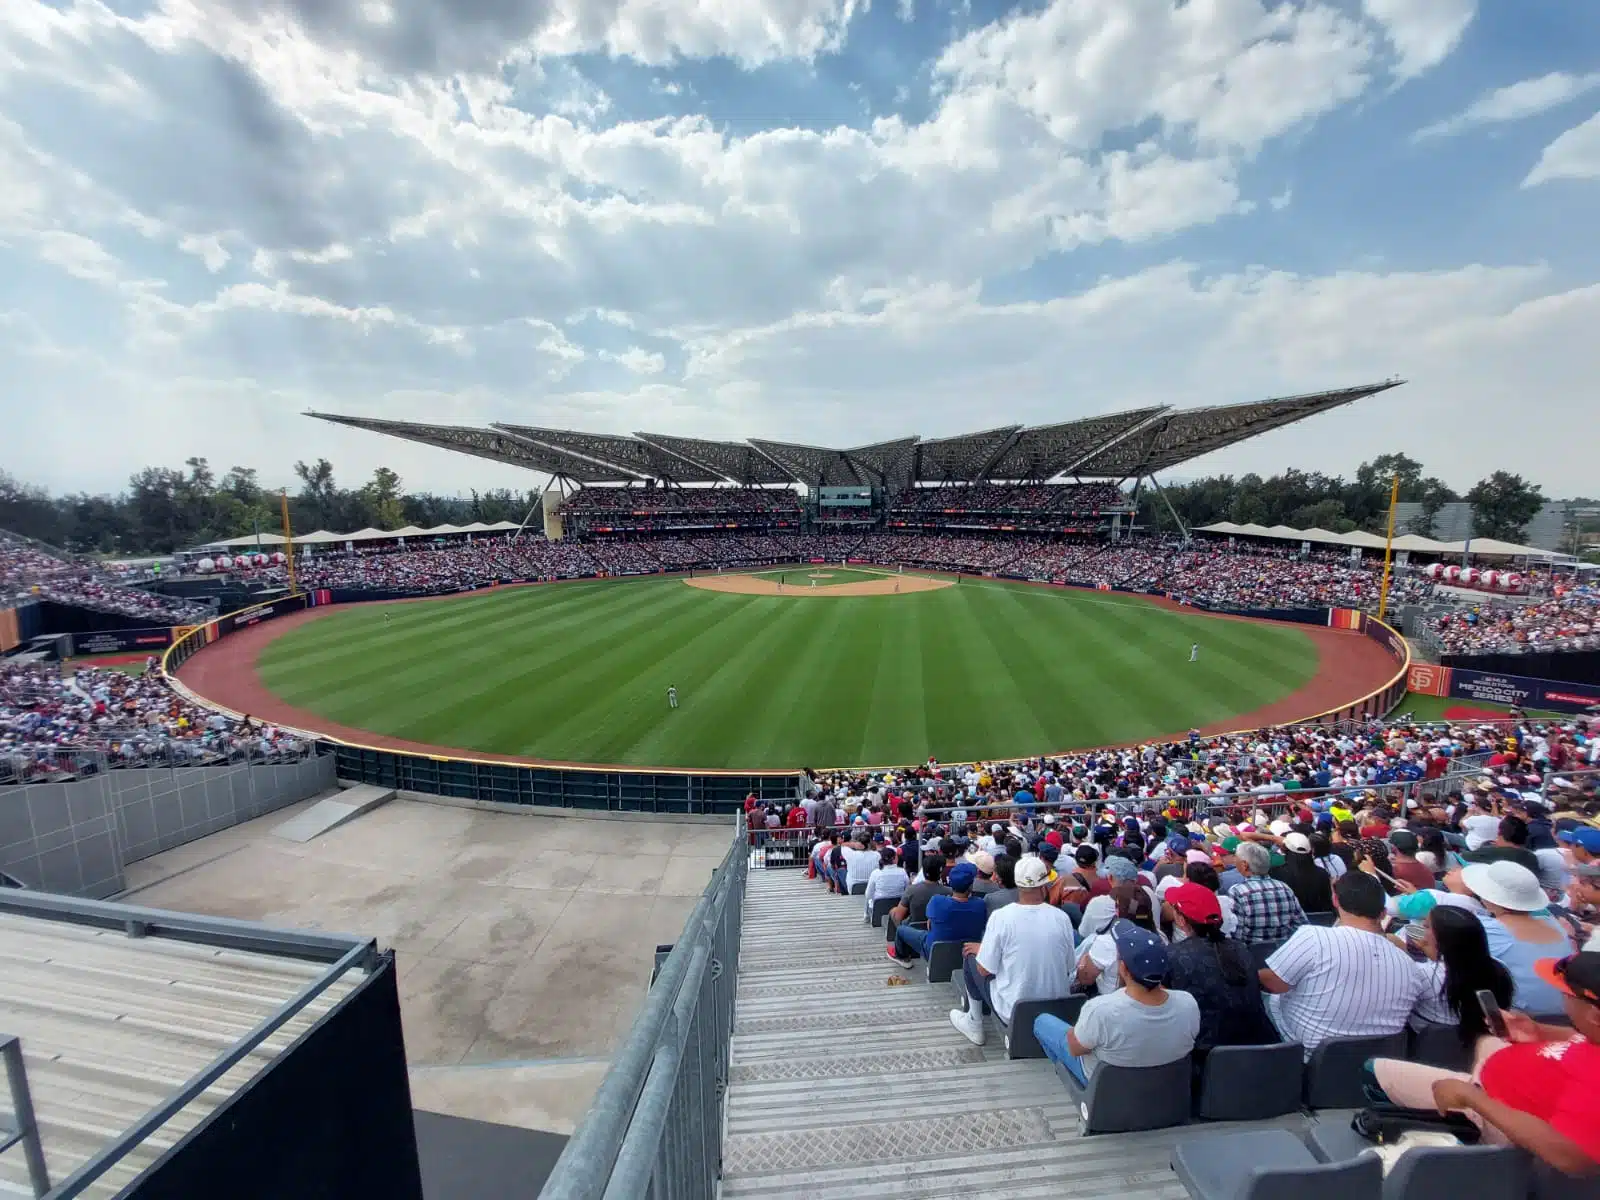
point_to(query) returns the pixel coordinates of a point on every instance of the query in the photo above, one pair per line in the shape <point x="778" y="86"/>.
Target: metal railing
<point x="342" y="954"/>
<point x="655" y="1127"/>
<point x="22" y="1127"/>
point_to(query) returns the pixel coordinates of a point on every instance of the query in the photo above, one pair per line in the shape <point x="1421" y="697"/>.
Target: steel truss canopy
<point x="1123" y="445"/>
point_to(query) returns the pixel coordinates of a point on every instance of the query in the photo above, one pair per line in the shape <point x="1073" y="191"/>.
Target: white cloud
<point x="1423" y="32"/>
<point x="1282" y="200"/>
<point x="1527" y="98"/>
<point x="320" y="209"/>
<point x="1573" y="155"/>
<point x="637" y="360"/>
<point x="1233" y="73"/>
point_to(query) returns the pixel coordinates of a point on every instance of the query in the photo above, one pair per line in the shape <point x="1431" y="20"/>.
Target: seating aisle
<point x="844" y="1086"/>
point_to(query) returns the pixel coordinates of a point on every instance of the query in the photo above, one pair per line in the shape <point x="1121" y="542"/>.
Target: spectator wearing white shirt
<point x="888" y="882"/>
<point x="1026" y="954"/>
<point x="1345" y="981"/>
<point x="859" y="862"/>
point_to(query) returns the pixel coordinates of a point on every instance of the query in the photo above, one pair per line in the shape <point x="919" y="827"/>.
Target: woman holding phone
<point x="1458" y="966"/>
<point x="1538" y="1088"/>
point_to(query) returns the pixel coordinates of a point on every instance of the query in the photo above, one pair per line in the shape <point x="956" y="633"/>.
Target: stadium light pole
<point x="1388" y="547"/>
<point x="288" y="541"/>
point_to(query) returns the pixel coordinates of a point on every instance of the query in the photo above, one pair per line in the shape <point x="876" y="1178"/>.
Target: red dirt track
<point x="1349" y="666"/>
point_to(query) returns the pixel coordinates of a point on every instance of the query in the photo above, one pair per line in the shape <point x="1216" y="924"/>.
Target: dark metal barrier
<point x="613" y="790"/>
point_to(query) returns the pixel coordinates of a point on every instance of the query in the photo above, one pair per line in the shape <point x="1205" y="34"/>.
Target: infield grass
<point x="579" y="672"/>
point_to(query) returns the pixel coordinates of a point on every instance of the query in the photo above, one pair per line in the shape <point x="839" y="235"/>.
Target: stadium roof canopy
<point x="1125" y="445"/>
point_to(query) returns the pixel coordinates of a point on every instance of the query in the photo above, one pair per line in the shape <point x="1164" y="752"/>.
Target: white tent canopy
<point x="1416" y="544"/>
<point x="324" y="537"/>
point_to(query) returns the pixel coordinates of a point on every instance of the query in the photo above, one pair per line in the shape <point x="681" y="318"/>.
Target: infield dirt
<point x="754" y="585"/>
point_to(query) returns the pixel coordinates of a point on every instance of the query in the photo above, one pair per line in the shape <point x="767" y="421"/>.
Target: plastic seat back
<point x="1251" y="1083"/>
<point x="1440" y="1046"/>
<point x="1124" y="1099"/>
<point x="944" y="960"/>
<point x="1451" y="1172"/>
<point x="881" y="908"/>
<point x="1334" y="1076"/>
<point x="1020" y="1039"/>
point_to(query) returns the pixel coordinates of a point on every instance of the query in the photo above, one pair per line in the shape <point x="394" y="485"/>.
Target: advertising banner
<point x="122" y="641"/>
<point x="1489" y="687"/>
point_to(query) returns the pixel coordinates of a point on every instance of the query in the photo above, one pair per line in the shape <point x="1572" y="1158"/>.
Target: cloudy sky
<point x="825" y="220"/>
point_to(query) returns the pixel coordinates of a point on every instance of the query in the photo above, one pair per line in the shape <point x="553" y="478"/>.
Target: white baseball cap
<point x="1031" y="872"/>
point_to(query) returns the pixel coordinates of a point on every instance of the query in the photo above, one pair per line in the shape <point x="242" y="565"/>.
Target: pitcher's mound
<point x="752" y="585"/>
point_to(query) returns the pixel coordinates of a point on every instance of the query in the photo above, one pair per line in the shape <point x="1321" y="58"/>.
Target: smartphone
<point x="1492" y="1016"/>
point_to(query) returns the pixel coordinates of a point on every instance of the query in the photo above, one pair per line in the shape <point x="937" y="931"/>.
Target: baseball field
<point x="805" y="666"/>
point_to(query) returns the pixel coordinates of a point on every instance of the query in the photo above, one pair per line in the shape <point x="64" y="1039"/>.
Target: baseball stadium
<point x="756" y="820"/>
<point x="917" y="603"/>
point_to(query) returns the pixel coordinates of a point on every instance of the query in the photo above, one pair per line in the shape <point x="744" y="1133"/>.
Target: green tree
<point x="382" y="498"/>
<point x="319" y="493"/>
<point x="1502" y="506"/>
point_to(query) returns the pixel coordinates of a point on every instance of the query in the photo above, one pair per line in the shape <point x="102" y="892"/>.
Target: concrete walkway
<point x="844" y="1086"/>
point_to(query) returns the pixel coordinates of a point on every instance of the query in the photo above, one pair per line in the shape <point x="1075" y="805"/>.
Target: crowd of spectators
<point x="1277" y="915"/>
<point x="964" y="498"/>
<point x="47" y="718"/>
<point x="1208" y="574"/>
<point x="1567" y="622"/>
<point x="640" y="500"/>
<point x="30" y="573"/>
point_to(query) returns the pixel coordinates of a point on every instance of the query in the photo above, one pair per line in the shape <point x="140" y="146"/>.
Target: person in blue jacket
<point x="958" y="917"/>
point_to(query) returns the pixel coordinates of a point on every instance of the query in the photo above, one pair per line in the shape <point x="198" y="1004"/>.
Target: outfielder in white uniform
<point x="1194" y="652"/>
<point x="672" y="697"/>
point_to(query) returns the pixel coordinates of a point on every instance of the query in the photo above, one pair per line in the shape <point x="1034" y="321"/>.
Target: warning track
<point x="1349" y="667"/>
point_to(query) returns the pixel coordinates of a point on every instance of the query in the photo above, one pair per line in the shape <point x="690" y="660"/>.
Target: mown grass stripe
<point x="980" y="670"/>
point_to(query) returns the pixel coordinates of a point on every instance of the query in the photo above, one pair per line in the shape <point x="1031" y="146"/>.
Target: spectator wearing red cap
<point x="1216" y="970"/>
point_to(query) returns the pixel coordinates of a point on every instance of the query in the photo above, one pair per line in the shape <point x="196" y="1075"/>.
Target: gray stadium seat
<point x="1326" y="919"/>
<point x="1260" y="952"/>
<point x="1271" y="1164"/>
<point x="1020" y="1039"/>
<point x="1125" y="1099"/>
<point x="1440" y="1046"/>
<point x="1433" y="1172"/>
<point x="859" y="889"/>
<point x="1251" y="1083"/>
<point x="1551" y="1184"/>
<point x="944" y="960"/>
<point x="1334" y="1072"/>
<point x="880" y="909"/>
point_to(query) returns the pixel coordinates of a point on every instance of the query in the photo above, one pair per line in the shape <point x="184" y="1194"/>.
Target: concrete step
<point x="334" y="811"/>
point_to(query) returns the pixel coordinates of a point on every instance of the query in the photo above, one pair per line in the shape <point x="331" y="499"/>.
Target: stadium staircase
<point x="844" y="1086"/>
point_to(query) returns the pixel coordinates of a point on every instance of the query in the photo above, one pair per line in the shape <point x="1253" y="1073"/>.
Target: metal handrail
<point x="344" y="952"/>
<point x="27" y="1126"/>
<point x="658" y="1112"/>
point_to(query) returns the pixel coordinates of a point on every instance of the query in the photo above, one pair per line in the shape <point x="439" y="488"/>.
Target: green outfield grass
<point x="1437" y="708"/>
<point x="579" y="672"/>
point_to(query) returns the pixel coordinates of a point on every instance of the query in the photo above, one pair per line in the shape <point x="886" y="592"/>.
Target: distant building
<point x="1453" y="523"/>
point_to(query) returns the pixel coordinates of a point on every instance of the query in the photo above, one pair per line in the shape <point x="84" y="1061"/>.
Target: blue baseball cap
<point x="1141" y="951"/>
<point x="962" y="876"/>
<point x="1178" y="843"/>
<point x="1585" y="838"/>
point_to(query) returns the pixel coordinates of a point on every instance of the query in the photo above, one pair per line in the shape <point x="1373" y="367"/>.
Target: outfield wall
<point x="661" y="791"/>
<point x="1491" y="687"/>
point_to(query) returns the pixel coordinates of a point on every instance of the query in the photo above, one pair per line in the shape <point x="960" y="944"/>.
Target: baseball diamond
<point x="577" y="672"/>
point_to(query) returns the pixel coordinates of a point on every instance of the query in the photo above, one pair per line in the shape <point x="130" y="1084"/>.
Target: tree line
<point x="1502" y="504"/>
<point x="165" y="509"/>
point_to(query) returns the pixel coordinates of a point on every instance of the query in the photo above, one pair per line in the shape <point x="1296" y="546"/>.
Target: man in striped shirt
<point x="1267" y="910"/>
<point x="1344" y="981"/>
